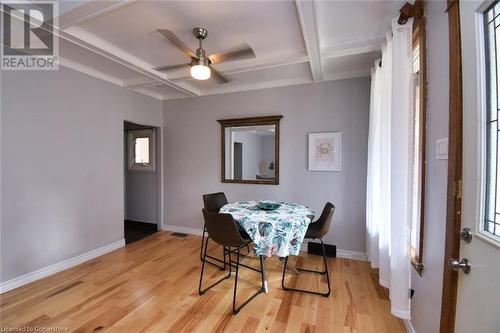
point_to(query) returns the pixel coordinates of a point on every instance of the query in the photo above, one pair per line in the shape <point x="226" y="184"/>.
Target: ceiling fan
<point x="201" y="64"/>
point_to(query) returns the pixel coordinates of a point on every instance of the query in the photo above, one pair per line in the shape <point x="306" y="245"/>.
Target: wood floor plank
<point x="152" y="286"/>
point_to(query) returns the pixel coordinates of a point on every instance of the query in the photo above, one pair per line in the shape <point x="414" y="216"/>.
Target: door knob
<point x="463" y="264"/>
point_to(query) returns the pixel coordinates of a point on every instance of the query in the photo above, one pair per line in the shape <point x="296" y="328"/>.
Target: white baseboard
<point x="401" y="314"/>
<point x="340" y="253"/>
<point x="409" y="326"/>
<point x="182" y="230"/>
<point x="55" y="268"/>
<point x="352" y="255"/>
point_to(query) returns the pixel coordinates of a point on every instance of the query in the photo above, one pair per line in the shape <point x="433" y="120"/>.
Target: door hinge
<point x="458" y="188"/>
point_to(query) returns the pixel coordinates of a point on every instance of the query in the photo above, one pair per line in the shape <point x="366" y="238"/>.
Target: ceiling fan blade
<point x="218" y="77"/>
<point x="246" y="53"/>
<point x="167" y="68"/>
<point x="177" y="42"/>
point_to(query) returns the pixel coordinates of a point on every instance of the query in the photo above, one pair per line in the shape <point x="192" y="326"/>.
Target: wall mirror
<point x="250" y="150"/>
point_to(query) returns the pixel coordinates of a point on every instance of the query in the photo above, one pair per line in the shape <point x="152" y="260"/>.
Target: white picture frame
<point x="325" y="151"/>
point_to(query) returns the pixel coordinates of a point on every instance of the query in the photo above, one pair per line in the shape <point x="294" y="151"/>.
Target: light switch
<point x="442" y="149"/>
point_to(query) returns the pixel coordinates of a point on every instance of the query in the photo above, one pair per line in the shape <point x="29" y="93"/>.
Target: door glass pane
<point x="417" y="157"/>
<point x="491" y="222"/>
<point x="142" y="150"/>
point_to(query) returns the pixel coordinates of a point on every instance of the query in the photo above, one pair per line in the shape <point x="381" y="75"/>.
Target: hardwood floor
<point x="152" y="286"/>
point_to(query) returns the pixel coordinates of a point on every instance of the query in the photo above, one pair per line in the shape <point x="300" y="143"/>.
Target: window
<point x="141" y="149"/>
<point x="491" y="225"/>
<point x="418" y="144"/>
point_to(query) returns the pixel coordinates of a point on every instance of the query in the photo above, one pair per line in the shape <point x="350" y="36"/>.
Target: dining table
<point x="275" y="227"/>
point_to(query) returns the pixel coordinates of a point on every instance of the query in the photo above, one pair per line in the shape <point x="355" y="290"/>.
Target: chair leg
<point x="305" y="270"/>
<point x="200" y="290"/>
<point x="204" y="257"/>
<point x="326" y="267"/>
<point x="202" y="242"/>
<point x="260" y="291"/>
<point x="236" y="281"/>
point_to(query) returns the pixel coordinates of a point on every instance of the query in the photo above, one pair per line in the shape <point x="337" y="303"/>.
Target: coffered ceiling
<point x="294" y="41"/>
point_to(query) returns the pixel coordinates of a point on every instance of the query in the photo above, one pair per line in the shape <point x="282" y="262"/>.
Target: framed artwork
<point x="325" y="151"/>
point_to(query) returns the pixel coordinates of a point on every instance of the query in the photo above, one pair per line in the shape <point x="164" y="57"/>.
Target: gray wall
<point x="192" y="150"/>
<point x="426" y="303"/>
<point x="62" y="165"/>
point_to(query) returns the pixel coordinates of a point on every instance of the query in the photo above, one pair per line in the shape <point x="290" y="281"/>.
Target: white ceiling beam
<point x="306" y="10"/>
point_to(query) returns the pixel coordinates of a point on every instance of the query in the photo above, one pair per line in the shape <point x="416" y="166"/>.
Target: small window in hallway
<point x="491" y="126"/>
<point x="141" y="149"/>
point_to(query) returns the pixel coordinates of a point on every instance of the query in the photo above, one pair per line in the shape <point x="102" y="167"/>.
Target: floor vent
<point x="178" y="234"/>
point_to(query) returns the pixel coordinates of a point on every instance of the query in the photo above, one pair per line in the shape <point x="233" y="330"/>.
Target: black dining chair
<point x="316" y="230"/>
<point x="213" y="202"/>
<point x="223" y="229"/>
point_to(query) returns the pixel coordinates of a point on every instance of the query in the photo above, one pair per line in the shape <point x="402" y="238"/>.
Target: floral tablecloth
<point x="280" y="232"/>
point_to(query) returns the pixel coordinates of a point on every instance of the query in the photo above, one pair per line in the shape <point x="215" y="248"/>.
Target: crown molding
<point x="149" y="93"/>
<point x="352" y="47"/>
<point x="76" y="66"/>
<point x="108" y="78"/>
<point x="140" y="82"/>
<point x="256" y="86"/>
<point x="278" y="83"/>
<point x="347" y="75"/>
<point x="268" y="64"/>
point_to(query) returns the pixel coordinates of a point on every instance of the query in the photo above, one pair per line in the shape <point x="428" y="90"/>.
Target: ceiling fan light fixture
<point x="200" y="70"/>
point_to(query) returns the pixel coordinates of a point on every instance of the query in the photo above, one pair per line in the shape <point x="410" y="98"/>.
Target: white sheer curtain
<point x="389" y="167"/>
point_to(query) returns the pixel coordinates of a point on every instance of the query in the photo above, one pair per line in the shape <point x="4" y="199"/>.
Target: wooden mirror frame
<point x="253" y="121"/>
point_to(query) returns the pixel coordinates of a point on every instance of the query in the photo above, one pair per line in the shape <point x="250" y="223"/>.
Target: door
<point x="478" y="293"/>
<point x="238" y="160"/>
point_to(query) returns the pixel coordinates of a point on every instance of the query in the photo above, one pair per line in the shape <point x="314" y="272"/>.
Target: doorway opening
<point x="141" y="180"/>
<point x="238" y="160"/>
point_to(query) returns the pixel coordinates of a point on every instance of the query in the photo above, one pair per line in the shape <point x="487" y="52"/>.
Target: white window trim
<point x="143" y="133"/>
<point x="481" y="106"/>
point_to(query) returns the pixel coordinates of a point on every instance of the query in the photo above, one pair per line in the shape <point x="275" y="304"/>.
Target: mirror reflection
<point x="250" y="152"/>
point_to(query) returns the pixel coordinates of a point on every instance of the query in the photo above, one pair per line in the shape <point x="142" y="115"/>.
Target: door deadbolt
<point x="466" y="235"/>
